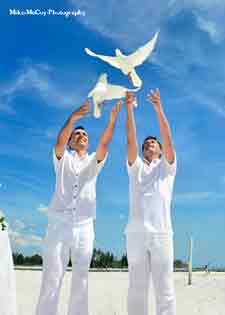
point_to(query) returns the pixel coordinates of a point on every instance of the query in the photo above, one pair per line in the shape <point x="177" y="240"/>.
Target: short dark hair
<point x="78" y="127"/>
<point x="149" y="138"/>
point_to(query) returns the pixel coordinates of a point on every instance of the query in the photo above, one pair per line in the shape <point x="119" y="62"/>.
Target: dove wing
<point x="142" y="53"/>
<point x="117" y="91"/>
<point x="114" y="91"/>
<point x="111" y="60"/>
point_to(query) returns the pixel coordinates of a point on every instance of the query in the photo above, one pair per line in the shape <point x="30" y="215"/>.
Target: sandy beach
<point x="108" y="293"/>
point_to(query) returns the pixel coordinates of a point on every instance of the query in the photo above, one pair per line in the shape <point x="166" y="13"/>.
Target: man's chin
<point x="150" y="152"/>
<point x="78" y="146"/>
<point x="149" y="155"/>
<point x="82" y="146"/>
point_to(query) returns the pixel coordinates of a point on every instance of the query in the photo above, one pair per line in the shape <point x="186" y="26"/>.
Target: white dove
<point x="128" y="63"/>
<point x="103" y="91"/>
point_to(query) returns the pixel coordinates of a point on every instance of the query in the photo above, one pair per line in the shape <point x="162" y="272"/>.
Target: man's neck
<point x="149" y="159"/>
<point x="81" y="152"/>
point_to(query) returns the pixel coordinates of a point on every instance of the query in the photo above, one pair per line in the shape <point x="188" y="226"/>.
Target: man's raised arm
<point x="67" y="129"/>
<point x="107" y="134"/>
<point x="167" y="143"/>
<point x="132" y="146"/>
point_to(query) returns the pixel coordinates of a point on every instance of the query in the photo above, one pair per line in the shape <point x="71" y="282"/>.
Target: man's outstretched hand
<point x="154" y="98"/>
<point x="81" y="111"/>
<point x="130" y="99"/>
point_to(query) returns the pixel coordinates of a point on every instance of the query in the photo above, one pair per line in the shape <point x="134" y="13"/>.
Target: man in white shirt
<point x="149" y="230"/>
<point x="72" y="212"/>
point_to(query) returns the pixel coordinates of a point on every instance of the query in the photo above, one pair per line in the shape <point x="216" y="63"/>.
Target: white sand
<point x="108" y="293"/>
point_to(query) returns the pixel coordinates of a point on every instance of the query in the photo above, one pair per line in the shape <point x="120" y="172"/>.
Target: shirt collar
<point x="153" y="162"/>
<point x="75" y="154"/>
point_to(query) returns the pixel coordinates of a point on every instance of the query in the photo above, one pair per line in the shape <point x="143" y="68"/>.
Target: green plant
<point x="3" y="224"/>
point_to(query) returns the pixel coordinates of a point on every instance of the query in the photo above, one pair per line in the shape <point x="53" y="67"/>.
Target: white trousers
<point x="66" y="238"/>
<point x="7" y="277"/>
<point x="150" y="254"/>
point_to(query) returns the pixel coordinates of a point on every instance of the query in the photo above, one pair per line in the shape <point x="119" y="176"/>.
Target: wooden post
<point x="190" y="262"/>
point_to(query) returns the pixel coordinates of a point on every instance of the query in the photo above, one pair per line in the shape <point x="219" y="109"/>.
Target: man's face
<point x="79" y="139"/>
<point x="151" y="149"/>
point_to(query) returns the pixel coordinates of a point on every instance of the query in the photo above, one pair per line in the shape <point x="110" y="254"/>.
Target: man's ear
<point x="68" y="143"/>
<point x="160" y="153"/>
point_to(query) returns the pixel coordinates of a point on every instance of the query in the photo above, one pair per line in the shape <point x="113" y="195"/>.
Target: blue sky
<point x="45" y="75"/>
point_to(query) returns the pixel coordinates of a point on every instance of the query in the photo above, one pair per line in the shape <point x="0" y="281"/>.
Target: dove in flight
<point x="128" y="63"/>
<point x="103" y="91"/>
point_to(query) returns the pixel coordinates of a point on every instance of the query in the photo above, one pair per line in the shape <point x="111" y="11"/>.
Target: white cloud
<point x="197" y="196"/>
<point x="204" y="6"/>
<point x="192" y="196"/>
<point x="143" y="18"/>
<point x="24" y="181"/>
<point x="210" y="15"/>
<point x="42" y="208"/>
<point x="200" y="4"/>
<point x="38" y="79"/>
<point x="209" y="27"/>
<point x="128" y="23"/>
<point x="18" y="225"/>
<point x="21" y="235"/>
<point x="20" y="239"/>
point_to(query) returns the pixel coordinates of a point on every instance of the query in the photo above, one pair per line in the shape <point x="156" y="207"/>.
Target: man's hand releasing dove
<point x="128" y="63"/>
<point x="103" y="91"/>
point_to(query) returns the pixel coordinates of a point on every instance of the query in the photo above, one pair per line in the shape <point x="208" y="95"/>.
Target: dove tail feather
<point x="135" y="79"/>
<point x="97" y="110"/>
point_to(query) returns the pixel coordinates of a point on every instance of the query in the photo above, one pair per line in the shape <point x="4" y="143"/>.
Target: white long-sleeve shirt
<point x="150" y="190"/>
<point x="75" y="188"/>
